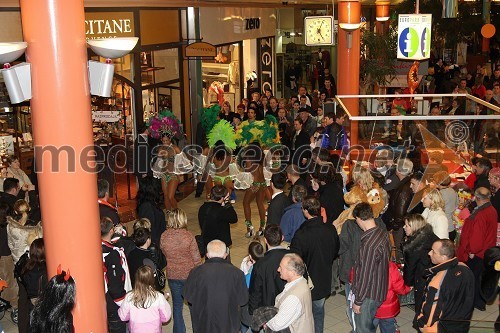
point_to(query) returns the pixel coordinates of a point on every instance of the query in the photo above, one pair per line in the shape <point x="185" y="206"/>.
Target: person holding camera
<point x="215" y="216"/>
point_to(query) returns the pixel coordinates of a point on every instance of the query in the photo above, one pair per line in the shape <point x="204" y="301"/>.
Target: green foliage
<point x="378" y="54"/>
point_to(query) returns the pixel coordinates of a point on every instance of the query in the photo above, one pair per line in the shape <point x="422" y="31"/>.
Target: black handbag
<point x="161" y="279"/>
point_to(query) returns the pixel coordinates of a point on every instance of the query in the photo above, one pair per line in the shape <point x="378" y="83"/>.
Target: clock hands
<point x="319" y="30"/>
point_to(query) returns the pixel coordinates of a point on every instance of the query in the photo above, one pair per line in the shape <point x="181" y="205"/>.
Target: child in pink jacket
<point x="145" y="308"/>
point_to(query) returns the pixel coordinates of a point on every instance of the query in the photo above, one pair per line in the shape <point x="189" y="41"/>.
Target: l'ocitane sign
<point x="109" y="24"/>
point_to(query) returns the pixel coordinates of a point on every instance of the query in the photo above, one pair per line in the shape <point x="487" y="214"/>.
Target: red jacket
<point x="390" y="308"/>
<point x="479" y="232"/>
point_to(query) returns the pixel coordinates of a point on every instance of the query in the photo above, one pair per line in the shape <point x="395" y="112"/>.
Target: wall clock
<point x="318" y="30"/>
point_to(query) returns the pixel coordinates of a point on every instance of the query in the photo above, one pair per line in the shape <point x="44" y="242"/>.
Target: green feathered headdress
<point x="222" y="131"/>
<point x="209" y="117"/>
<point x="265" y="132"/>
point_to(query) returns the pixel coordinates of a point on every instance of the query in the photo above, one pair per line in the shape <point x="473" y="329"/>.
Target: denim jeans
<point x="348" y="307"/>
<point x="178" y="303"/>
<point x="318" y="310"/>
<point x="364" y="320"/>
<point x="387" y="325"/>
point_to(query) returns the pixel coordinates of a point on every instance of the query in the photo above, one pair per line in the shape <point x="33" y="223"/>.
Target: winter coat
<point x="479" y="232"/>
<point x="331" y="197"/>
<point x="455" y="303"/>
<point x="416" y="260"/>
<point x="292" y="219"/>
<point x="490" y="276"/>
<point x="390" y="308"/>
<point x="399" y="201"/>
<point x="350" y="242"/>
<point x="20" y="236"/>
<point x="318" y="244"/>
<point x="265" y="281"/>
<point x="438" y="220"/>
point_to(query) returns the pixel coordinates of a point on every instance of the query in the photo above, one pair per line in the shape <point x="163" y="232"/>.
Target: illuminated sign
<point x="414" y="36"/>
<point x="109" y="25"/>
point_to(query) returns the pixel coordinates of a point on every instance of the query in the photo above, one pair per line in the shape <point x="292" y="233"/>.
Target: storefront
<point x="148" y="79"/>
<point x="244" y="38"/>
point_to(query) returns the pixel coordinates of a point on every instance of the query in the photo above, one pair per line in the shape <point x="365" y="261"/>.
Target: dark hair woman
<point x="148" y="206"/>
<point x="52" y="311"/>
<point x="32" y="280"/>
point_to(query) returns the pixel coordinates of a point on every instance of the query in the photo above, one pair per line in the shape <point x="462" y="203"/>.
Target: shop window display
<point x="15" y="131"/>
<point x="221" y="77"/>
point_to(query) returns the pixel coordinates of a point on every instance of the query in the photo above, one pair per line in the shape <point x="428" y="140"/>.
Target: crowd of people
<point x="394" y="227"/>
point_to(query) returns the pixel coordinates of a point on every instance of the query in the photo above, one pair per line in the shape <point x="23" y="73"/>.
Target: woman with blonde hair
<point x="144" y="308"/>
<point x="362" y="177"/>
<point x="418" y="243"/>
<point x="434" y="214"/>
<point x="181" y="250"/>
<point x="21" y="230"/>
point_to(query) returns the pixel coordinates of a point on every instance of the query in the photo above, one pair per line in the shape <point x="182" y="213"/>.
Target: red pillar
<point x="348" y="61"/>
<point x="54" y="30"/>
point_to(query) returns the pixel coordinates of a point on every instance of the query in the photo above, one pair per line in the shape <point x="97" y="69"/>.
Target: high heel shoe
<point x="260" y="232"/>
<point x="250" y="232"/>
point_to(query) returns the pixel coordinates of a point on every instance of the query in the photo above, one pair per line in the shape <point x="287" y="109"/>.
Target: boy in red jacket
<point x="387" y="312"/>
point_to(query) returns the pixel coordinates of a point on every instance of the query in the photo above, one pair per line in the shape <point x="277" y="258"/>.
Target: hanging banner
<point x="265" y="56"/>
<point x="414" y="36"/>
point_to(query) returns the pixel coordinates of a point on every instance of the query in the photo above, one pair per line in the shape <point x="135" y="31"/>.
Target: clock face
<point x="318" y="30"/>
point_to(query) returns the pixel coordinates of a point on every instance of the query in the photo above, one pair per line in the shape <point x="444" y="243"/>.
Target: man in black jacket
<point x="318" y="244"/>
<point x="265" y="282"/>
<point x="453" y="282"/>
<point x="279" y="201"/>
<point x="293" y="175"/>
<point x="483" y="167"/>
<point x="216" y="290"/>
<point x="335" y="130"/>
<point x="301" y="149"/>
<point x="215" y="216"/>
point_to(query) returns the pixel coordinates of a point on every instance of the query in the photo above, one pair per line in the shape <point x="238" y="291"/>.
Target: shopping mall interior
<point x="84" y="81"/>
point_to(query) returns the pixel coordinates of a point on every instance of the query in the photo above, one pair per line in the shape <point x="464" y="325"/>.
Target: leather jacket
<point x="399" y="201"/>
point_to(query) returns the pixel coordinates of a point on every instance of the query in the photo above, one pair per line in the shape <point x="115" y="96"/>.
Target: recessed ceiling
<point x="202" y="3"/>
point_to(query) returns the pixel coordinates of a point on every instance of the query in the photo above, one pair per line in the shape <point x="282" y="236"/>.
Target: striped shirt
<point x="371" y="270"/>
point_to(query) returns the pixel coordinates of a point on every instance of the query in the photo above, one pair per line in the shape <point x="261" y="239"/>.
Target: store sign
<point x="266" y="62"/>
<point x="200" y="50"/>
<point x="106" y="116"/>
<point x="252" y="23"/>
<point x="414" y="36"/>
<point x="109" y="25"/>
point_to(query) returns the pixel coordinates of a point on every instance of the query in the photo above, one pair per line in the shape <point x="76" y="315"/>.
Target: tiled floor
<point x="335" y="318"/>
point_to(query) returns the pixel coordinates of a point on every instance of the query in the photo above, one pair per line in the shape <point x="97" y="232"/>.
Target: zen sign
<point x="266" y="63"/>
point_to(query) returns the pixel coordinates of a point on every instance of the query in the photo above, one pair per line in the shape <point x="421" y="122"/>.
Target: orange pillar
<point x="348" y="61"/>
<point x="382" y="16"/>
<point x="62" y="133"/>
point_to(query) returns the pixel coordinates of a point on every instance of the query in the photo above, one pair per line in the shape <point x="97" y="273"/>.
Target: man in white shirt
<point x="303" y="92"/>
<point x="294" y="303"/>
